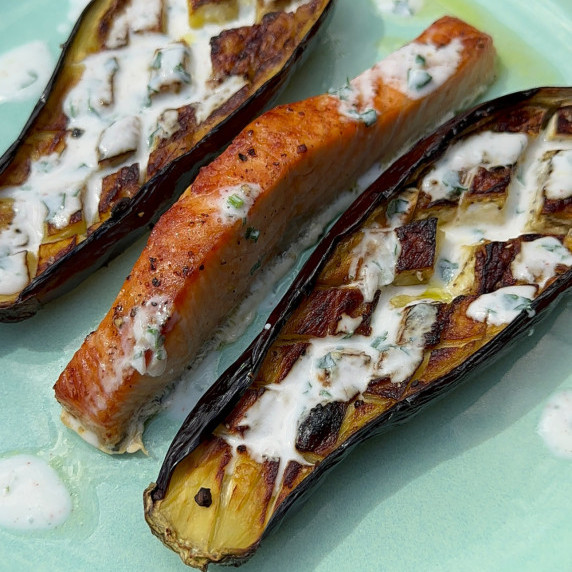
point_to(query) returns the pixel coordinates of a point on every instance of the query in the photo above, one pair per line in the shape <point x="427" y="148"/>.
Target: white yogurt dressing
<point x="25" y="71"/>
<point x="149" y="355"/>
<point x="501" y="306"/>
<point x="235" y="201"/>
<point x="555" y="425"/>
<point x="142" y="342"/>
<point x="32" y="496"/>
<point x="375" y="256"/>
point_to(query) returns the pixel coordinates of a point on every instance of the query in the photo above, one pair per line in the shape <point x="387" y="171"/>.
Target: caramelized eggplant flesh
<point x="132" y="111"/>
<point x="441" y="280"/>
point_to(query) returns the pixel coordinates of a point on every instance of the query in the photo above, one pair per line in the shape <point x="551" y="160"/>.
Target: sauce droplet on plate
<point x="24" y="71"/>
<point x="32" y="496"/>
<point x="555" y="425"/>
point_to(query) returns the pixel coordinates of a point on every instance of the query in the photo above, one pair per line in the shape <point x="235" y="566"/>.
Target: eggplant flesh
<point x="133" y="110"/>
<point x="440" y="266"/>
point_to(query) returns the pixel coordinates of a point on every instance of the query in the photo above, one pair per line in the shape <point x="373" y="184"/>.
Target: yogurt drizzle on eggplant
<point x="124" y="101"/>
<point x="337" y="368"/>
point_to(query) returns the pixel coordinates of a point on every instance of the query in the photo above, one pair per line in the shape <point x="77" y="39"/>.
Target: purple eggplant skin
<point x="131" y="218"/>
<point x="219" y="400"/>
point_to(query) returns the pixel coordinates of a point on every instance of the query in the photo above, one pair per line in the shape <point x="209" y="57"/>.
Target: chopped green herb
<point x="252" y="234"/>
<point x="156" y="64"/>
<point x="44" y="166"/>
<point x="554" y="248"/>
<point x="325" y="393"/>
<point x="516" y="302"/>
<point x="326" y="362"/>
<point x="416" y="78"/>
<point x="72" y="110"/>
<point x="255" y="267"/>
<point x="397" y="206"/>
<point x="111" y="65"/>
<point x="447" y="269"/>
<point x="378" y="340"/>
<point x="369" y="116"/>
<point x="420" y="60"/>
<point x="235" y="201"/>
<point x="54" y="205"/>
<point x="348" y="335"/>
<point x="91" y="108"/>
<point x="452" y="180"/>
<point x="183" y="73"/>
<point x="147" y="102"/>
<point x="343" y="93"/>
<point x="151" y="138"/>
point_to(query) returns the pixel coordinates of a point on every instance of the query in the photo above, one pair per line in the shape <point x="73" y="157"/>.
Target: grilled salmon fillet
<point x="202" y="254"/>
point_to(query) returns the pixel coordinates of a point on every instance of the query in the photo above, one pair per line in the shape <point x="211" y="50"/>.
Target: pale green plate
<point x="466" y="485"/>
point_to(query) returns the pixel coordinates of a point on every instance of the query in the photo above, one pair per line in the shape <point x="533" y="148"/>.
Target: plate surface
<point x="466" y="485"/>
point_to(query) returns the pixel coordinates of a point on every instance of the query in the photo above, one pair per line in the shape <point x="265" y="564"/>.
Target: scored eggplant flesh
<point x="142" y="96"/>
<point x="435" y="270"/>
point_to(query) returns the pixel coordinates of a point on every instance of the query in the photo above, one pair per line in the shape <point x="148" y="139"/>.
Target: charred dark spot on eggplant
<point x="320" y="428"/>
<point x="204" y="498"/>
<point x="418" y="242"/>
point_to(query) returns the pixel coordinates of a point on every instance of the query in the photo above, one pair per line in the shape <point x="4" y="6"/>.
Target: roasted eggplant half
<point x="240" y="211"/>
<point x="451" y="255"/>
<point x="143" y="95"/>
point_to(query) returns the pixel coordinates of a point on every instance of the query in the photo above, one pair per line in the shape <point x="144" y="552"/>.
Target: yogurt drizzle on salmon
<point x="415" y="70"/>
